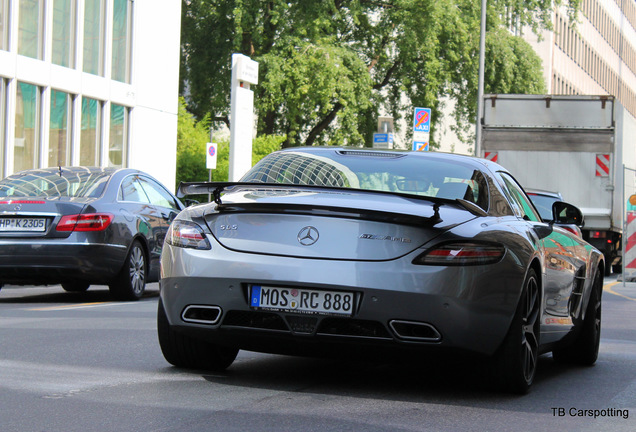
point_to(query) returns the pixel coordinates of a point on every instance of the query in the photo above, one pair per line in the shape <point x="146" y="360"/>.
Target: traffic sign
<point x="422" y="120"/>
<point x="210" y="156"/>
<point x="383" y="140"/>
<point x="420" y="146"/>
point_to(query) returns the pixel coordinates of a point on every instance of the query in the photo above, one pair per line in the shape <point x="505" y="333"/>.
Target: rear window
<point x="40" y="183"/>
<point x="389" y="172"/>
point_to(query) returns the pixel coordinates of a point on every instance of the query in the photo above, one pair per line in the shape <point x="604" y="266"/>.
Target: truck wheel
<point x="584" y="350"/>
<point x="617" y="268"/>
<point x="183" y="351"/>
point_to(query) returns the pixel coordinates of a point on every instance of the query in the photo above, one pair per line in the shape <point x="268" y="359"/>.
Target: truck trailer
<point x="581" y="146"/>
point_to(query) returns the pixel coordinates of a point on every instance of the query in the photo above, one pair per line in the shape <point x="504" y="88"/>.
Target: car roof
<point x="478" y="163"/>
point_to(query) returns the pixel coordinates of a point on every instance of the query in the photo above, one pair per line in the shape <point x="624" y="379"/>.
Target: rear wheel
<point x="75" y="286"/>
<point x="130" y="283"/>
<point x="183" y="351"/>
<point x="584" y="350"/>
<point x="515" y="363"/>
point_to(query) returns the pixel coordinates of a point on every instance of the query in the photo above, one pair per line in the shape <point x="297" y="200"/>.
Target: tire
<point x="130" y="283"/>
<point x="515" y="363"/>
<point x="617" y="268"/>
<point x="584" y="350"/>
<point x="75" y="286"/>
<point x="184" y="351"/>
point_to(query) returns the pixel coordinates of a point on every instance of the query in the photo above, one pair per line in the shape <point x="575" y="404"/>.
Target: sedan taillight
<point x="85" y="222"/>
<point x="187" y="235"/>
<point x="462" y="253"/>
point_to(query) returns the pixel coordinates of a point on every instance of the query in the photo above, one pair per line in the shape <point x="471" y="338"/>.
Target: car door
<point x="148" y="220"/>
<point x="165" y="204"/>
<point x="561" y="263"/>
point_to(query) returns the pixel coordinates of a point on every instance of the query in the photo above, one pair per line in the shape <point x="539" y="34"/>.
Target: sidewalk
<point x="626" y="289"/>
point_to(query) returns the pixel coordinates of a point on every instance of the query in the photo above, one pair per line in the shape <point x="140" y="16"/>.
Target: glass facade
<point x="90" y="135"/>
<point x="94" y="37"/>
<point x="30" y="28"/>
<point x="63" y="33"/>
<point x="121" y="40"/>
<point x="4" y="23"/>
<point x="60" y="129"/>
<point x="25" y="151"/>
<point x="118" y="135"/>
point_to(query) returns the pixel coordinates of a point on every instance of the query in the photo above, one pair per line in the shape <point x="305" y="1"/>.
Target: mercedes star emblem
<point x="308" y="236"/>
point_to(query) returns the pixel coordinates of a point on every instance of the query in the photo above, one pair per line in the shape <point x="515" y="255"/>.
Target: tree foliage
<point x="327" y="69"/>
<point x="192" y="138"/>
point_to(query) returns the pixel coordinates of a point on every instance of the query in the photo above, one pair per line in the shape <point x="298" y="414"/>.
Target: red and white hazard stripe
<point x="602" y="165"/>
<point x="630" y="246"/>
<point x="491" y="156"/>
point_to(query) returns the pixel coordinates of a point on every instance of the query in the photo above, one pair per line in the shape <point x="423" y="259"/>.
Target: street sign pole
<point x="244" y="73"/>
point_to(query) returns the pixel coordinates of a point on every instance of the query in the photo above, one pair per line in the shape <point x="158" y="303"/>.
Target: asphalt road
<point x="79" y="362"/>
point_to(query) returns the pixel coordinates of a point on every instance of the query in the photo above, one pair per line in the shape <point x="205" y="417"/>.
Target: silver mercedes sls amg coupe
<point x="321" y="251"/>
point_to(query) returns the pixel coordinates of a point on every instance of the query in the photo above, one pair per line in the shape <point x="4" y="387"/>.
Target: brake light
<point x="187" y="234"/>
<point x="22" y="202"/>
<point x="598" y="234"/>
<point x="85" y="222"/>
<point x="462" y="253"/>
<point x="575" y="231"/>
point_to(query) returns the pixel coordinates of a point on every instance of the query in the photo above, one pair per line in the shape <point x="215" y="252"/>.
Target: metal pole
<point x="624" y="234"/>
<point x="480" y="87"/>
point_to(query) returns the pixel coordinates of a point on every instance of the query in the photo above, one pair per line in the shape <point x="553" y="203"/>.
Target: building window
<point x="25" y="150"/>
<point x="63" y="53"/>
<point x="90" y="135"/>
<point x="94" y="37"/>
<point x="3" y="104"/>
<point x="30" y="25"/>
<point x="4" y="24"/>
<point x="118" y="140"/>
<point x="121" y="40"/>
<point x="60" y="130"/>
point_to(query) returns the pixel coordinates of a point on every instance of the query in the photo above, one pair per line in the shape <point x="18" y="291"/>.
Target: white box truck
<point x="581" y="146"/>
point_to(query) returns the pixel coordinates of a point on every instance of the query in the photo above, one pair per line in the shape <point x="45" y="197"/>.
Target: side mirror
<point x="190" y="202"/>
<point x="567" y="214"/>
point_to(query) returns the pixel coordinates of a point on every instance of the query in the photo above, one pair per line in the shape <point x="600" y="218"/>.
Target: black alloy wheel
<point x="515" y="363"/>
<point x="584" y="350"/>
<point x="130" y="283"/>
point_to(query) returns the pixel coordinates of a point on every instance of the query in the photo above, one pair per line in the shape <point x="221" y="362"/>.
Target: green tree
<point x="328" y="68"/>
<point x="192" y="137"/>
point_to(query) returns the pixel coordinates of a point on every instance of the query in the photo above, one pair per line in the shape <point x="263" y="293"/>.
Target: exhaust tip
<point x="201" y="314"/>
<point x="415" y="331"/>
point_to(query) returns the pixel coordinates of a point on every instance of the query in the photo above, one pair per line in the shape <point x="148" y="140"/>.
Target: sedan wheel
<point x="130" y="283"/>
<point x="515" y="363"/>
<point x="184" y="351"/>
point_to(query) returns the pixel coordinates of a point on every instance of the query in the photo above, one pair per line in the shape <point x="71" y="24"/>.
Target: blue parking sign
<point x="422" y="120"/>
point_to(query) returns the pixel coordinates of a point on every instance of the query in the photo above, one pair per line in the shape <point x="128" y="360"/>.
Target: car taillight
<point x="462" y="253"/>
<point x="598" y="234"/>
<point x="575" y="231"/>
<point x="85" y="222"/>
<point x="187" y="235"/>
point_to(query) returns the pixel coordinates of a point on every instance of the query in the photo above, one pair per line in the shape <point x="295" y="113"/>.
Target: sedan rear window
<point x="47" y="183"/>
<point x="390" y="172"/>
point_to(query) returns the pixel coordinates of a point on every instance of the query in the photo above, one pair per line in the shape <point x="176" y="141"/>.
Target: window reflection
<point x="90" y="138"/>
<point x="59" y="129"/>
<point x="25" y="149"/>
<point x="31" y="16"/>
